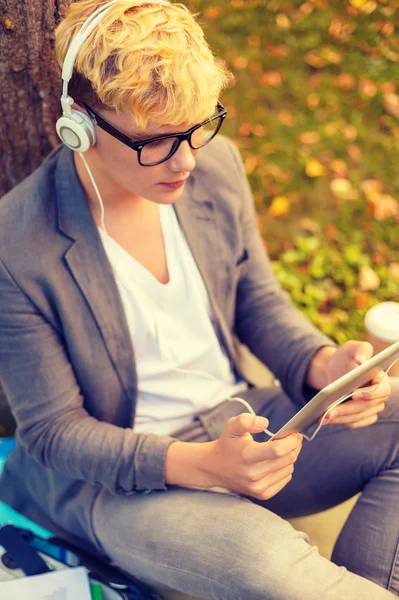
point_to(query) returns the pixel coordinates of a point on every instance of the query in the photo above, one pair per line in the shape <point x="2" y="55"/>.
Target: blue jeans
<point x="224" y="546"/>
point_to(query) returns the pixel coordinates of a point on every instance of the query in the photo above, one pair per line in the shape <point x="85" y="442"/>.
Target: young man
<point x="125" y="271"/>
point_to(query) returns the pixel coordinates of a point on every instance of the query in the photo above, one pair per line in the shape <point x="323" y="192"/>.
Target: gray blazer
<point x="67" y="362"/>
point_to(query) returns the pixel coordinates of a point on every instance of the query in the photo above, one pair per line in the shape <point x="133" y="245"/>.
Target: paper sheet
<point x="68" y="584"/>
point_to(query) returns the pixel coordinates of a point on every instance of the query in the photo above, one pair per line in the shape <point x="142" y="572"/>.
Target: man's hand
<point x="251" y="468"/>
<point x="235" y="461"/>
<point x="365" y="405"/>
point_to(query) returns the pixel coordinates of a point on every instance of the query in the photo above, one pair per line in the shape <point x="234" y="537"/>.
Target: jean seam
<point x="394" y="567"/>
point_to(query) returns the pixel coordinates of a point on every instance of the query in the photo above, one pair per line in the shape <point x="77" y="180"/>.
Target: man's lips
<point x="176" y="181"/>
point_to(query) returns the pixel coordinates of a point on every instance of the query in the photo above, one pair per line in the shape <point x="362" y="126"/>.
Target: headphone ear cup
<point x="76" y="131"/>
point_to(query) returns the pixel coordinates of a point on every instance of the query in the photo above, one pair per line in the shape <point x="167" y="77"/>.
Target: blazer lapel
<point x="92" y="272"/>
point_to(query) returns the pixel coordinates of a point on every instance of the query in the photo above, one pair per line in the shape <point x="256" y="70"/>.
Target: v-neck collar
<point x="133" y="272"/>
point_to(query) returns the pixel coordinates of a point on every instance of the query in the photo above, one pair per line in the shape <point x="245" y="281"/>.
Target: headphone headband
<point x="78" y="41"/>
<point x="75" y="128"/>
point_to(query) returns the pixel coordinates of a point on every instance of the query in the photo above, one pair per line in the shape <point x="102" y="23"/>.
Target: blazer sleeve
<point x="266" y="320"/>
<point x="47" y="403"/>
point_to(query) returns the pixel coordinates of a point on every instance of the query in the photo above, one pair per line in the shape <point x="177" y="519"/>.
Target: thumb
<point x="363" y="351"/>
<point x="246" y="423"/>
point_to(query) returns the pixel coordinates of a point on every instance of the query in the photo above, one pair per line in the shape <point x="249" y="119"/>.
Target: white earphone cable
<point x="100" y="200"/>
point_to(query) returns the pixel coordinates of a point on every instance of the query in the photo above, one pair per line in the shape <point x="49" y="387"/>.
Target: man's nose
<point x="183" y="159"/>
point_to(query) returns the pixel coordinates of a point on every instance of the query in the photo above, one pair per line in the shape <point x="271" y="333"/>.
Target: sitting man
<point x="128" y="261"/>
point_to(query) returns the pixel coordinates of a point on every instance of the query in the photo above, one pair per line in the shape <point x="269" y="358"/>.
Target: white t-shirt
<point x="182" y="367"/>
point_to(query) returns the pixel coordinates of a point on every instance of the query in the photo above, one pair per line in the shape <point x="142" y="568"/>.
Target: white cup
<point x="382" y="328"/>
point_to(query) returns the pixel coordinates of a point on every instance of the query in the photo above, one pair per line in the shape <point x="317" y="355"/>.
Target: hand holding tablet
<point x="338" y="391"/>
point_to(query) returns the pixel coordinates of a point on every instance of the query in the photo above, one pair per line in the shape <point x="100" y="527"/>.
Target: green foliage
<point x="314" y="110"/>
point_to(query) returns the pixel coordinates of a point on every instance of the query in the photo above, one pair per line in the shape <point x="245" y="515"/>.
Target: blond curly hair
<point x="152" y="58"/>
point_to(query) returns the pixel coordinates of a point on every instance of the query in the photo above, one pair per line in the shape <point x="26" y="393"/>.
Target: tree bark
<point x="30" y="85"/>
<point x="30" y="90"/>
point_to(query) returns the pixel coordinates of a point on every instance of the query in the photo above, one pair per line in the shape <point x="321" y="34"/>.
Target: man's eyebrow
<point x="146" y="136"/>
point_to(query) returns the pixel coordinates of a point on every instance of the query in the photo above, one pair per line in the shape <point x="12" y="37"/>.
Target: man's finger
<point x="355" y="407"/>
<point x="265" y="467"/>
<point x="272" y="490"/>
<point x="246" y="423"/>
<point x="261" y="451"/>
<point x="364" y="423"/>
<point x="372" y="391"/>
<point x="358" y="416"/>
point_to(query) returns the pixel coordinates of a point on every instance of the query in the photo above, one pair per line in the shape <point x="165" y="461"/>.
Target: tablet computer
<point x="346" y="384"/>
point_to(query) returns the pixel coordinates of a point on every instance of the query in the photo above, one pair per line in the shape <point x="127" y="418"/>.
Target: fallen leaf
<point x="394" y="270"/>
<point x="350" y="132"/>
<point x="368" y="88"/>
<point x="368" y="279"/>
<point x="253" y="40"/>
<point x="309" y="137"/>
<point x="309" y="225"/>
<point x="259" y="130"/>
<point x="313" y="101"/>
<point x="283" y="21"/>
<point x="245" y="129"/>
<point x="280" y="206"/>
<point x="240" y="63"/>
<point x="322" y="57"/>
<point x="342" y="189"/>
<point x="346" y="81"/>
<point x="250" y="163"/>
<point x="362" y="300"/>
<point x="341" y="29"/>
<point x="286" y="117"/>
<point x="384" y="206"/>
<point x="388" y="87"/>
<point x="358" y="3"/>
<point x="214" y="12"/>
<point x="314" y="168"/>
<point x="272" y="79"/>
<point x="339" y="167"/>
<point x="370" y="186"/>
<point x="391" y="104"/>
<point x="331" y="230"/>
<point x="354" y="152"/>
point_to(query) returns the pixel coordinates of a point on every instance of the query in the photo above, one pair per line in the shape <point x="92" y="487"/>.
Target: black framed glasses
<point x="159" y="149"/>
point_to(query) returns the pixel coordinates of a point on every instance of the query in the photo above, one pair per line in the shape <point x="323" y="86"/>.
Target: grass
<point x="314" y="110"/>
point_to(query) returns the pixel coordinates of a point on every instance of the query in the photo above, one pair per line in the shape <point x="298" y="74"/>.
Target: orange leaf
<point x="331" y="230"/>
<point x="286" y="117"/>
<point x="346" y="81"/>
<point x="391" y="104"/>
<point x="309" y="137"/>
<point x="214" y="12"/>
<point x="362" y="300"/>
<point x="272" y="79"/>
<point x="384" y="206"/>
<point x="368" y="88"/>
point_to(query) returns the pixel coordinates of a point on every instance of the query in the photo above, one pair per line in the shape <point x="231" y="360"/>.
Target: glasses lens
<point x="158" y="151"/>
<point x="204" y="134"/>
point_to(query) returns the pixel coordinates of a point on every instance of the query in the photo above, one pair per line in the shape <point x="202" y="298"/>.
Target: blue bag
<point x="23" y="553"/>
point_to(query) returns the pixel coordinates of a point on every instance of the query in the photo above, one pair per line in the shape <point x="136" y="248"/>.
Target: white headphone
<point x="75" y="128"/>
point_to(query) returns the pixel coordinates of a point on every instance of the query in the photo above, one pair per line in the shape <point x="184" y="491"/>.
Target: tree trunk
<point x="30" y="85"/>
<point x="30" y="90"/>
